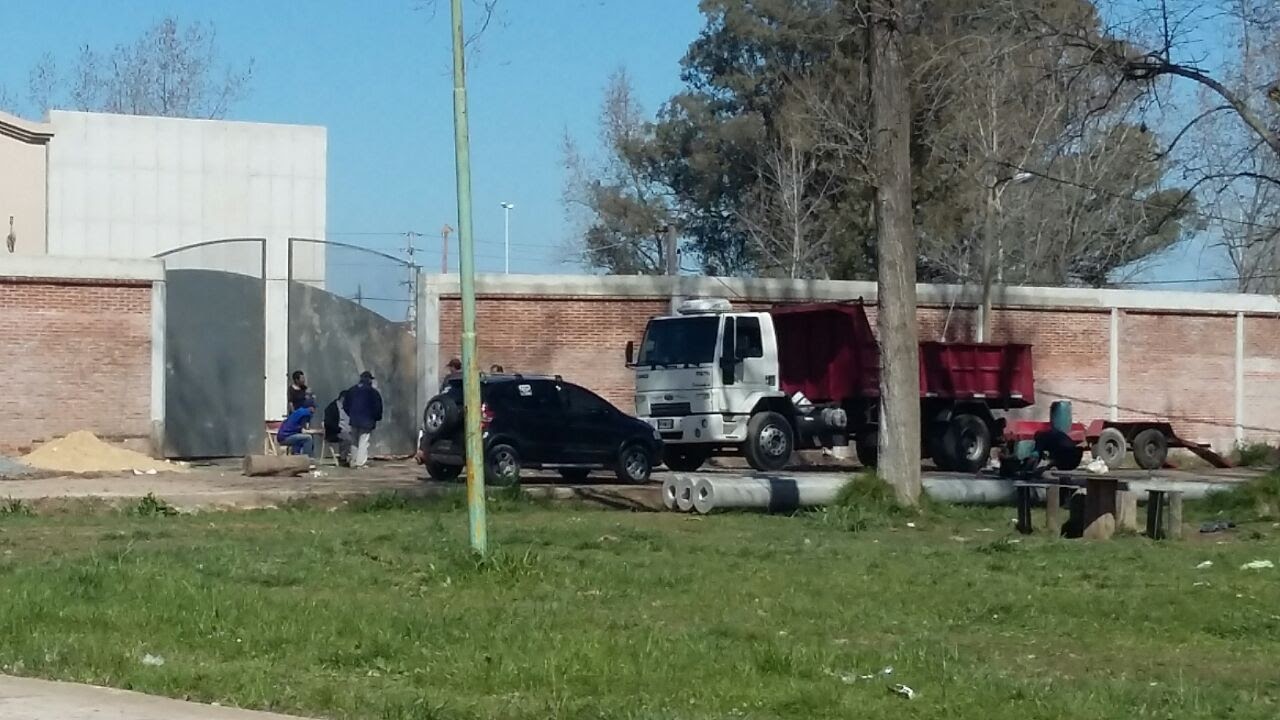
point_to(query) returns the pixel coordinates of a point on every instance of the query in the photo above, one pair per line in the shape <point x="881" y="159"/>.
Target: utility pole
<point x="899" y="431"/>
<point x="506" y="234"/>
<point x="410" y="283"/>
<point x="444" y="249"/>
<point x="478" y="525"/>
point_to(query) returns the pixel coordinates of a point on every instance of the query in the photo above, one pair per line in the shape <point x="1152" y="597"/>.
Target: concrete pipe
<point x="669" y="492"/>
<point x="772" y="494"/>
<point x="684" y="493"/>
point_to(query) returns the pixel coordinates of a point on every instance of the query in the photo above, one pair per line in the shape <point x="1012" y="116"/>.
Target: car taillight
<point x="486" y="416"/>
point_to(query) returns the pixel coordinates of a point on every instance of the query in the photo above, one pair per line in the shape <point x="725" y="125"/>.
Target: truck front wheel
<point x="680" y="459"/>
<point x="769" y="441"/>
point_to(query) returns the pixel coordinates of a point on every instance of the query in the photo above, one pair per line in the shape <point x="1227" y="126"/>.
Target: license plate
<point x="667" y="424"/>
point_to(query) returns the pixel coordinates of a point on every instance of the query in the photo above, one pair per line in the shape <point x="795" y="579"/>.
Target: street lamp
<point x="506" y="233"/>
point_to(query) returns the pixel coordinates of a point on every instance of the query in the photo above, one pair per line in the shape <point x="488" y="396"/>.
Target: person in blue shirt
<point x="293" y="431"/>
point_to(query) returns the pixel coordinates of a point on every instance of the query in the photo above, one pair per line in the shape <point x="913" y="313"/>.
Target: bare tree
<point x="170" y="71"/>
<point x="788" y="218"/>
<point x="899" y="430"/>
<point x="621" y="212"/>
<point x="1242" y="191"/>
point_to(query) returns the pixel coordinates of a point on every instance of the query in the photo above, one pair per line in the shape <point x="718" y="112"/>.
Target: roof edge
<point x="34" y="133"/>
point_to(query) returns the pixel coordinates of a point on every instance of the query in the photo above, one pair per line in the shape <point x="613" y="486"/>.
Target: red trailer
<point x="829" y="354"/>
<point x="1111" y="440"/>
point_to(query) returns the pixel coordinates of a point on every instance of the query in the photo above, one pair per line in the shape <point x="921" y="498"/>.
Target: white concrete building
<point x="98" y="185"/>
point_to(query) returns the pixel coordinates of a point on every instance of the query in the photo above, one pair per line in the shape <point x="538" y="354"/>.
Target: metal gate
<point x="214" y="348"/>
<point x="351" y="309"/>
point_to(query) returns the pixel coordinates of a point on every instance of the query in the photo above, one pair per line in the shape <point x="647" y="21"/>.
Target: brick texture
<point x="1180" y="368"/>
<point x="74" y="355"/>
<point x="1176" y="366"/>
<point x="1262" y="378"/>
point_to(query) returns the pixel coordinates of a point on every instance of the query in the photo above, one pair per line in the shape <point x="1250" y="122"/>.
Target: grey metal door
<point x="214" y="364"/>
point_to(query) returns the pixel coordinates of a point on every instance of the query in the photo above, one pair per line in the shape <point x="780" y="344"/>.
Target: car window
<point x="582" y="401"/>
<point x="530" y="395"/>
<point x="747" y="337"/>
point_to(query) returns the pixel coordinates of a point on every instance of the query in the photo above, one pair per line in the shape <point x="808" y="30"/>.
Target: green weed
<point x="152" y="506"/>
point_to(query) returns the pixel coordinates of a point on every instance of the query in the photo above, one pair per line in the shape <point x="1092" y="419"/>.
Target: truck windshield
<point x="680" y="341"/>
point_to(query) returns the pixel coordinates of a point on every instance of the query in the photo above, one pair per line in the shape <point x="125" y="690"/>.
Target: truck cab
<point x="702" y="374"/>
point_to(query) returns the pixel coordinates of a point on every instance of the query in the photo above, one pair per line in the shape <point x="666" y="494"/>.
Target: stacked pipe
<point x="704" y="494"/>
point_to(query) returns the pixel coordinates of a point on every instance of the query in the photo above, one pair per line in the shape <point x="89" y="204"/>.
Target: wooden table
<point x="1100" y="500"/>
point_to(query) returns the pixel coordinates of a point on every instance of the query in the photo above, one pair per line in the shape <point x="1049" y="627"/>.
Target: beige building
<point x="24" y="190"/>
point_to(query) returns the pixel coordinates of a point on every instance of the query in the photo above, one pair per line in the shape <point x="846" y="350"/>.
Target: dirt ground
<point x="221" y="485"/>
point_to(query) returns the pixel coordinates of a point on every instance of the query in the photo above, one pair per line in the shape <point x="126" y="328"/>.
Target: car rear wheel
<point x="443" y="473"/>
<point x="576" y="475"/>
<point x="503" y="466"/>
<point x="634" y="465"/>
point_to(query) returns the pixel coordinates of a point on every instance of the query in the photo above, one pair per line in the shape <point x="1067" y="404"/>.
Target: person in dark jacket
<point x="337" y="427"/>
<point x="364" y="407"/>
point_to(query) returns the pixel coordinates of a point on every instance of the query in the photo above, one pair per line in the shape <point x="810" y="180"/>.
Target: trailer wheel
<point x="1150" y="449"/>
<point x="769" y="441"/>
<point x="867" y="446"/>
<point x="1110" y="447"/>
<point x="968" y="443"/>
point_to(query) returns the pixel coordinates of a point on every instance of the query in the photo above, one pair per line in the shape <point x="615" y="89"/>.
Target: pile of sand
<point x="82" y="451"/>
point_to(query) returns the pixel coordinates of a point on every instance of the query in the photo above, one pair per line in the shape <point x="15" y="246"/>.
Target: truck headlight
<point x="657" y="435"/>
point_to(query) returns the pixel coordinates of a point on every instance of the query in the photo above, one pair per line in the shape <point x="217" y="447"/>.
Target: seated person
<point x="293" y="431"/>
<point x="337" y="427"/>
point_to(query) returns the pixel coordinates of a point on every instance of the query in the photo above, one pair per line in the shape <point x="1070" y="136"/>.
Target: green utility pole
<point x="467" y="273"/>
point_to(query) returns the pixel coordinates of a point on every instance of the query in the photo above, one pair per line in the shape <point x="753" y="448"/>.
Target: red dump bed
<point x="829" y="353"/>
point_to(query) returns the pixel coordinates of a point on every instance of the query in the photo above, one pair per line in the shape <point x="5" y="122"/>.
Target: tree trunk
<point x="255" y="465"/>
<point x="899" y="436"/>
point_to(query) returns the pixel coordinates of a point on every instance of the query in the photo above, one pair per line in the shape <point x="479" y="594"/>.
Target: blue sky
<point x="377" y="74"/>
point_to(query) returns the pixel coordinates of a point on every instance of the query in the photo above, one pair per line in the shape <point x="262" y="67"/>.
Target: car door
<point x="593" y="424"/>
<point x="529" y="412"/>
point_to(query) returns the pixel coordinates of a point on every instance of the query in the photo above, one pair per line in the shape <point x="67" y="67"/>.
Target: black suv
<point x="537" y="422"/>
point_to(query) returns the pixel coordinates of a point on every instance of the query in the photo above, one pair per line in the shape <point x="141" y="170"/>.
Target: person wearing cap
<point x="363" y="404"/>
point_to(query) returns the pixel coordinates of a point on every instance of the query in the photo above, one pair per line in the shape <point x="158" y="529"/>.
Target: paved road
<point x="27" y="699"/>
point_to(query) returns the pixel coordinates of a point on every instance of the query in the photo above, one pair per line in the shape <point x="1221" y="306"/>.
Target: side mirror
<point x="631" y="353"/>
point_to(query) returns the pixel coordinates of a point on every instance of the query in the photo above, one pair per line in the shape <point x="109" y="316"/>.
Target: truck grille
<point x="669" y="409"/>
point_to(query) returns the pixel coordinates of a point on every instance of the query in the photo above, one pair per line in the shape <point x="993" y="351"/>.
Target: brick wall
<point x="74" y="355"/>
<point x="1177" y="365"/>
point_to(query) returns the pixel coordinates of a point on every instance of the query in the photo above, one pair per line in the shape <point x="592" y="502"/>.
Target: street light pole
<point x="467" y="279"/>
<point x="506" y="233"/>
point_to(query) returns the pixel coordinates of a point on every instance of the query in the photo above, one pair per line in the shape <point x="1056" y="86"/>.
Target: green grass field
<point x="381" y="613"/>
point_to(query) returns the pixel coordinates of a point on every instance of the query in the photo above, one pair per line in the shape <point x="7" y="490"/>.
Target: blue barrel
<point x="1060" y="416"/>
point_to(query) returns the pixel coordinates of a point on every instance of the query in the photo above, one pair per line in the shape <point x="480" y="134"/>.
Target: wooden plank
<point x="1053" y="510"/>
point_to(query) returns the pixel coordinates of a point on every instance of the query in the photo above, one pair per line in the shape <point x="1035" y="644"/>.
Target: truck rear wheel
<point x="968" y="443"/>
<point x="769" y="441"/>
<point x="936" y="442"/>
<point x="867" y="445"/>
